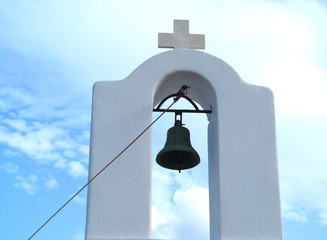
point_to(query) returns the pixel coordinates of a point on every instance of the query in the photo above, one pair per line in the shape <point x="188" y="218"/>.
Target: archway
<point x="180" y="201"/>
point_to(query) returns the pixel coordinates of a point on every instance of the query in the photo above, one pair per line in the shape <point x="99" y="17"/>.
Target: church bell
<point x="178" y="153"/>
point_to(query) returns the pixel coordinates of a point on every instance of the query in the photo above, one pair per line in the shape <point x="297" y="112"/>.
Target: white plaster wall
<point x="243" y="176"/>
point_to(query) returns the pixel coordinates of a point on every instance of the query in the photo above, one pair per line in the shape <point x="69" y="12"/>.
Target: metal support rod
<point x="179" y="111"/>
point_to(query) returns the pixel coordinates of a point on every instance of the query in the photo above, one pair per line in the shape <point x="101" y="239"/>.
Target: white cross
<point x="181" y="38"/>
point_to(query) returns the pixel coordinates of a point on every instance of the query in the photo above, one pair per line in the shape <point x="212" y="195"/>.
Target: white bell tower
<point x="243" y="173"/>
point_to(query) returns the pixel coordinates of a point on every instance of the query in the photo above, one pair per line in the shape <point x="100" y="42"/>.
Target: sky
<point x="51" y="54"/>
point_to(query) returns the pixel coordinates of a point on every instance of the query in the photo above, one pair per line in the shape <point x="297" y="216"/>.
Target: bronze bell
<point x="178" y="153"/>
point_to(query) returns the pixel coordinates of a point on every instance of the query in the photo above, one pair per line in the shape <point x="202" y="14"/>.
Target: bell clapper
<point x="179" y="161"/>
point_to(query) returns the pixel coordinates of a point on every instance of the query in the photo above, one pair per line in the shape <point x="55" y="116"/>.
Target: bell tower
<point x="243" y="174"/>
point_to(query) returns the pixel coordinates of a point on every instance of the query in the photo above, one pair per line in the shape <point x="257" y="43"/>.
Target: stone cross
<point x="181" y="38"/>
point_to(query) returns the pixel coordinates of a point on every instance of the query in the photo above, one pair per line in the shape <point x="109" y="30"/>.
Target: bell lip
<point x="173" y="165"/>
<point x="178" y="169"/>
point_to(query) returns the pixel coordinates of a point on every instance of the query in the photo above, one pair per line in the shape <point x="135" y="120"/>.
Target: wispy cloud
<point x="45" y="143"/>
<point x="80" y="200"/>
<point x="79" y="235"/>
<point x="28" y="184"/>
<point x="9" y="167"/>
<point x="77" y="169"/>
<point x="176" y="208"/>
<point x="51" y="183"/>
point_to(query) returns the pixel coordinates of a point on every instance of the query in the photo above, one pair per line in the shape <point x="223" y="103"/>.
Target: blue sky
<point x="52" y="52"/>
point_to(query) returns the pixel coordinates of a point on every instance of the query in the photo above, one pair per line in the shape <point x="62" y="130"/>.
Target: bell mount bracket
<point x="178" y="112"/>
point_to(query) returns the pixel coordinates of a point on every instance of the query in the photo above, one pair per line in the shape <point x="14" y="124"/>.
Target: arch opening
<point x="180" y="201"/>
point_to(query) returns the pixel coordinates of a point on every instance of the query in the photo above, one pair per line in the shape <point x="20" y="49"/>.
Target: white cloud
<point x="302" y="197"/>
<point x="9" y="167"/>
<point x="178" y="205"/>
<point x="17" y="124"/>
<point x="194" y="205"/>
<point x="302" y="160"/>
<point x="85" y="150"/>
<point x="51" y="183"/>
<point x="188" y="212"/>
<point x="77" y="169"/>
<point x="279" y="45"/>
<point x="157" y="218"/>
<point x="29" y="184"/>
<point x="45" y="143"/>
<point x="36" y="143"/>
<point x="79" y="235"/>
<point x="323" y="217"/>
<point x="80" y="200"/>
<point x="300" y="87"/>
<point x="292" y="212"/>
<point x="12" y="97"/>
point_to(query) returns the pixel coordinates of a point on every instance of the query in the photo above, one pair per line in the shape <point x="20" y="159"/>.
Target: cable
<point x="180" y="93"/>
